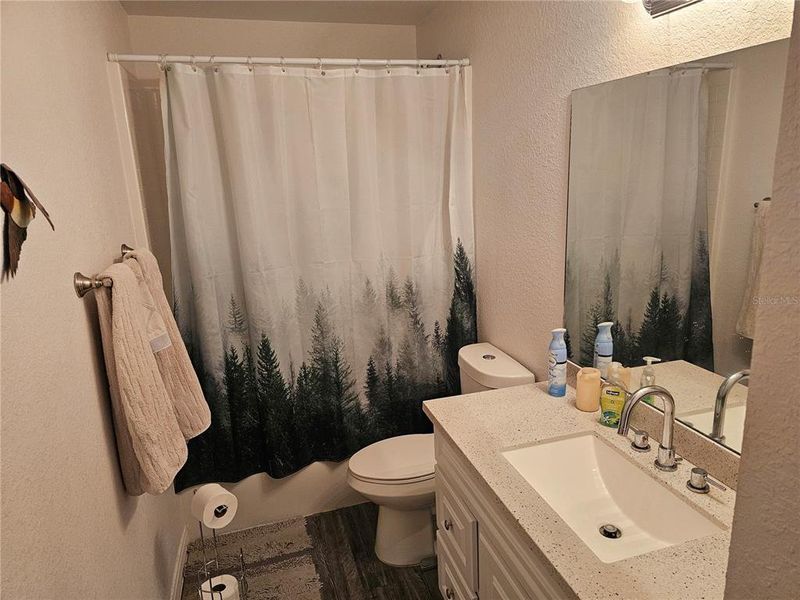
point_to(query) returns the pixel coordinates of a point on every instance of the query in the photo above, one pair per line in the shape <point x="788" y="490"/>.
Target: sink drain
<point x="610" y="531"/>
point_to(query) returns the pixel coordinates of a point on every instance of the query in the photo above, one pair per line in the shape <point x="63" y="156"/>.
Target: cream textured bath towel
<point x="746" y="323"/>
<point x="150" y="444"/>
<point x="176" y="369"/>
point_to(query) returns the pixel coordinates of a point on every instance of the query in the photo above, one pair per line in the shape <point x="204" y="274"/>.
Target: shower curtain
<point x="322" y="249"/>
<point x="637" y="250"/>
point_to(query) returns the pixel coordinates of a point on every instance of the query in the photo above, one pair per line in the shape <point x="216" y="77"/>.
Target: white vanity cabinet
<point x="482" y="554"/>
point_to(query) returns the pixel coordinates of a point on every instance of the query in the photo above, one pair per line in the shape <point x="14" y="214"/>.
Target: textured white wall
<point x="765" y="544"/>
<point x="68" y="529"/>
<point x="528" y="57"/>
<point x="234" y="37"/>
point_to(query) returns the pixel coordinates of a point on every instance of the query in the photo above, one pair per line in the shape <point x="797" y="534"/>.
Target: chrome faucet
<point x="722" y="399"/>
<point x="666" y="453"/>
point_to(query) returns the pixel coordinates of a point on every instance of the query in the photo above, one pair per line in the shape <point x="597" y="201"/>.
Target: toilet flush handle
<point x="447" y="524"/>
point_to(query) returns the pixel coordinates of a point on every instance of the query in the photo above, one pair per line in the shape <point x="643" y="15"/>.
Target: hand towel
<point x="177" y="372"/>
<point x="150" y="444"/>
<point x="745" y="324"/>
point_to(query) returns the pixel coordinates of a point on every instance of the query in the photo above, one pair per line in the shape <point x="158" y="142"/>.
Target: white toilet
<point x="397" y="473"/>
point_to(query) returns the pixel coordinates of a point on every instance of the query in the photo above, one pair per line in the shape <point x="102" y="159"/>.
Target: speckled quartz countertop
<point x="482" y="425"/>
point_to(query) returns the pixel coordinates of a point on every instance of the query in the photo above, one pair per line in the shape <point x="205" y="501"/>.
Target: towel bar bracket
<point x="84" y="284"/>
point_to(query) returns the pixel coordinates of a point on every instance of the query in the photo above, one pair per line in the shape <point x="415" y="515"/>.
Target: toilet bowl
<point x="397" y="473"/>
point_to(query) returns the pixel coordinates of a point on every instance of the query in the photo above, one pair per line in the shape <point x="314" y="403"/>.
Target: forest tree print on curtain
<point x="264" y="422"/>
<point x="322" y="243"/>
<point x="637" y="225"/>
<point x="669" y="328"/>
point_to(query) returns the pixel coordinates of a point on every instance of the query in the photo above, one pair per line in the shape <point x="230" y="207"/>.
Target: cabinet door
<point x="482" y="541"/>
<point x="451" y="584"/>
<point x="496" y="581"/>
<point x="458" y="526"/>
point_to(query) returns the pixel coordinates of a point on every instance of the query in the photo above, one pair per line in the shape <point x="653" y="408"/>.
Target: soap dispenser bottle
<point x="648" y="375"/>
<point x="557" y="364"/>
<point x="603" y="348"/>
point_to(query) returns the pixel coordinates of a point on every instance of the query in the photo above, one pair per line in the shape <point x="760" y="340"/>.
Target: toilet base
<point x="404" y="537"/>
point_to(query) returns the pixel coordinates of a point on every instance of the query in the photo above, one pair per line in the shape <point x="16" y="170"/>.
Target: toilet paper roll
<point x="214" y="506"/>
<point x="221" y="587"/>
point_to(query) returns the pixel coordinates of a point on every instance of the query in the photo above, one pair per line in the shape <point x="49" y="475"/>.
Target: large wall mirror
<point x="670" y="179"/>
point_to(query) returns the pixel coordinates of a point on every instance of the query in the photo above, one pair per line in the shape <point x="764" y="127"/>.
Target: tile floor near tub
<point x="328" y="556"/>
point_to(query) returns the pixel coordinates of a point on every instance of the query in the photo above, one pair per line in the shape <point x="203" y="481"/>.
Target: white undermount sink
<point x="589" y="483"/>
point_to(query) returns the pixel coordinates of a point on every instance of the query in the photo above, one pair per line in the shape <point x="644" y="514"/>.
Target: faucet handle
<point x="641" y="440"/>
<point x="699" y="481"/>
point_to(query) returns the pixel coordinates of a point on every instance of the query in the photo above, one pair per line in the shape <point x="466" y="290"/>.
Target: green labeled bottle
<point x="612" y="397"/>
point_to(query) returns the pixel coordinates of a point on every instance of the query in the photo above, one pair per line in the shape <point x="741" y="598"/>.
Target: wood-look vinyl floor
<point x="343" y="552"/>
<point x="328" y="556"/>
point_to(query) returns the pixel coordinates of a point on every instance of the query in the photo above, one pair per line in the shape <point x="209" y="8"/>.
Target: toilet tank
<point x="485" y="367"/>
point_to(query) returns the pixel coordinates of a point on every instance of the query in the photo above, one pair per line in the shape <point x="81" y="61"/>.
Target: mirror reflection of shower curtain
<point x="637" y="241"/>
<point x="322" y="249"/>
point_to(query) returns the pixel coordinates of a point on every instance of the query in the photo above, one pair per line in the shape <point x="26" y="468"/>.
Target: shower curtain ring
<point x="212" y="65"/>
<point x="162" y="62"/>
<point x="321" y="72"/>
<point x="419" y="66"/>
<point x="388" y="66"/>
<point x="283" y="65"/>
<point x="358" y="65"/>
<point x="250" y="63"/>
<point x="446" y="66"/>
<point x="194" y="63"/>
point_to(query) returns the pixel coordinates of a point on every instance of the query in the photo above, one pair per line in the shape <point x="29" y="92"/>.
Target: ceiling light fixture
<point x="656" y="8"/>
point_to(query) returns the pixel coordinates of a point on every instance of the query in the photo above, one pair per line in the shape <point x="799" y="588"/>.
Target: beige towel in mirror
<point x="745" y="325"/>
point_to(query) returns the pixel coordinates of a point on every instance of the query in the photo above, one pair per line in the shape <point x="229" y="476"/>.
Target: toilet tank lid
<point x="491" y="367"/>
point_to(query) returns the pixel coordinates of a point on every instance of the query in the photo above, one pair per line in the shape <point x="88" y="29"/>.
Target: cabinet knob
<point x="447" y="524"/>
<point x="449" y="593"/>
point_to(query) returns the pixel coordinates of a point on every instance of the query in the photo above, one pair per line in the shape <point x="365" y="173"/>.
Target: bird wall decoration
<point x="19" y="205"/>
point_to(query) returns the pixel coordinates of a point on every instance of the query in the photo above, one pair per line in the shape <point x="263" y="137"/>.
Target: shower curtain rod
<point x="705" y="65"/>
<point x="294" y="62"/>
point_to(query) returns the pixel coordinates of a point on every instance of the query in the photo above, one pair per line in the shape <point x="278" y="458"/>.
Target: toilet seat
<point x="397" y="460"/>
<point x="391" y="481"/>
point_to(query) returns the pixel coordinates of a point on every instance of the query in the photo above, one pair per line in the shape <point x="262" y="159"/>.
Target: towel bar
<point x="85" y="284"/>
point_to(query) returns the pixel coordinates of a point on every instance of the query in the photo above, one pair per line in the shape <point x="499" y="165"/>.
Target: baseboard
<point x="180" y="564"/>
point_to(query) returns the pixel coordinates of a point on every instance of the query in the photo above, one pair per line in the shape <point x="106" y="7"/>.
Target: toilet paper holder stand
<point x="212" y="569"/>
